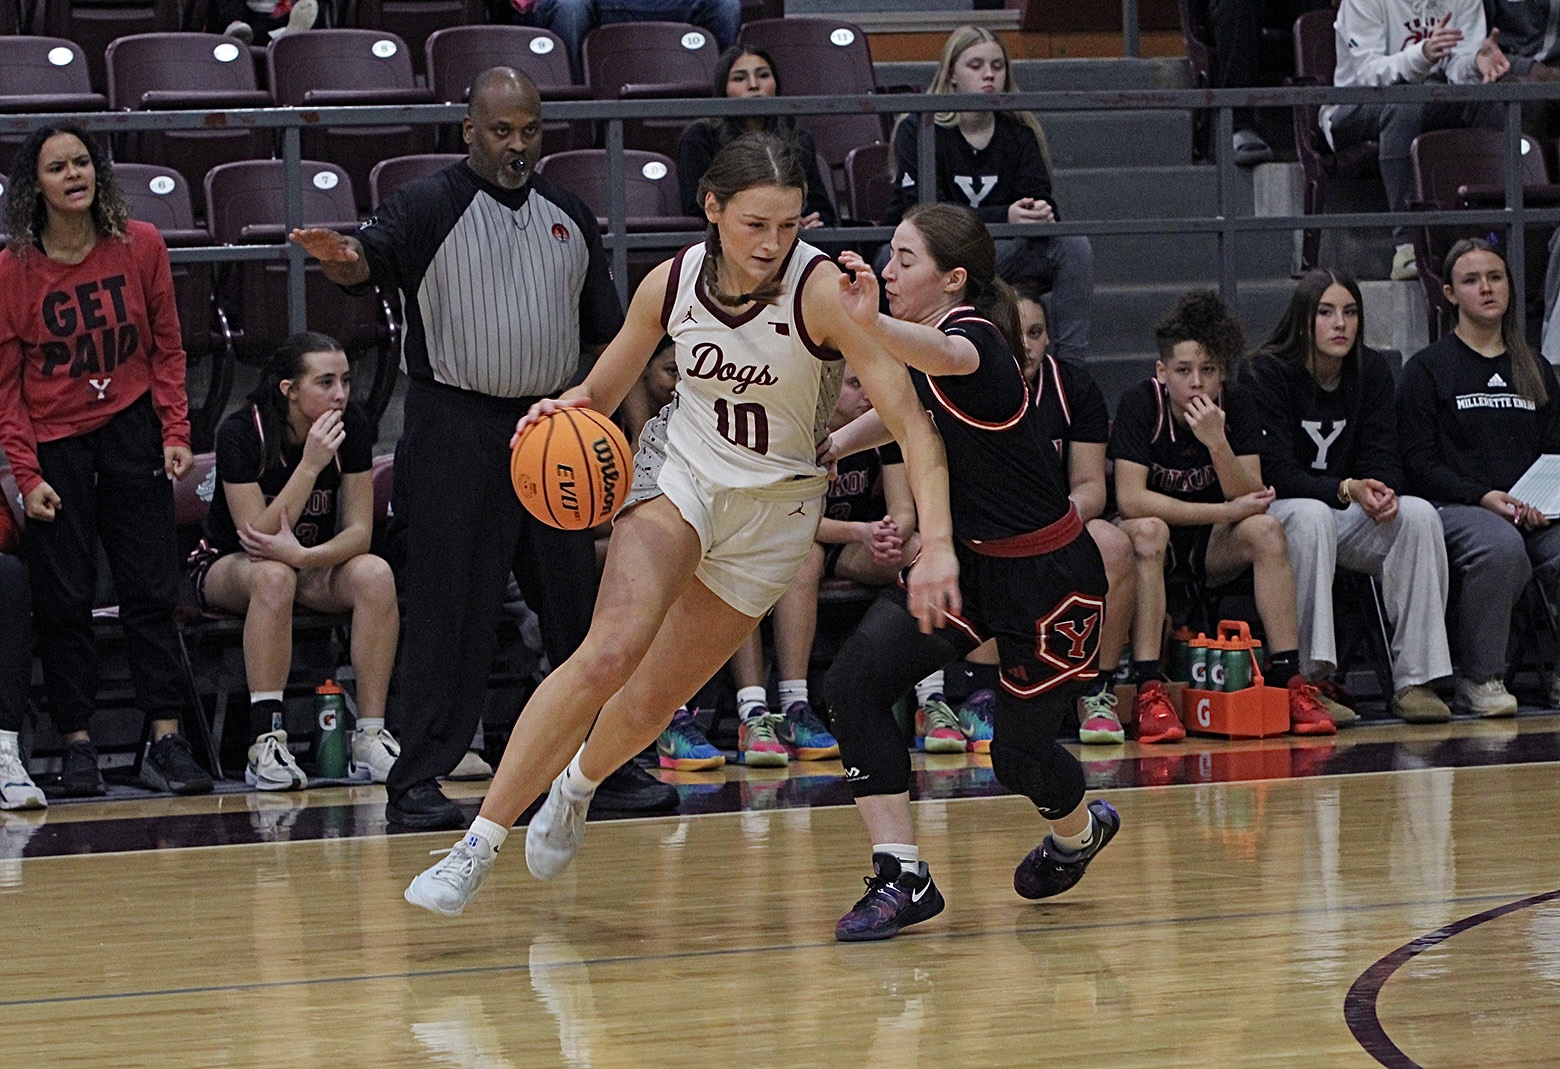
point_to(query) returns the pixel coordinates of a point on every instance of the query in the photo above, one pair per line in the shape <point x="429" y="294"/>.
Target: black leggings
<point x="15" y="641"/>
<point x="887" y="656"/>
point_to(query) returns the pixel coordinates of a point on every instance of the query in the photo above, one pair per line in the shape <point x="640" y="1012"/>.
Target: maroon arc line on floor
<point x="1359" y="1006"/>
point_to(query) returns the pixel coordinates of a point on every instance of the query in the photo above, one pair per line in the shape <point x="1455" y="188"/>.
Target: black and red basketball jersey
<point x="1071" y="406"/>
<point x="1004" y="475"/>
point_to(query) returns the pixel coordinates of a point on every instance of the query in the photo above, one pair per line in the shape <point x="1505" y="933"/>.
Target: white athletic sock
<point x="791" y="692"/>
<point x="489" y="831"/>
<point x="1072" y="844"/>
<point x="751" y="701"/>
<point x="370" y="724"/>
<point x="576" y="785"/>
<point x="909" y="854"/>
<point x="479" y="738"/>
<point x="12" y="737"/>
<point x="930" y="687"/>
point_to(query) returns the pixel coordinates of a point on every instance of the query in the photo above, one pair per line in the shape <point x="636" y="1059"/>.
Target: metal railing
<point x="1224" y="223"/>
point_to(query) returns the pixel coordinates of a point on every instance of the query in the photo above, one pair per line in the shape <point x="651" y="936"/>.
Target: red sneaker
<point x="1155" y="716"/>
<point x="1306" y="714"/>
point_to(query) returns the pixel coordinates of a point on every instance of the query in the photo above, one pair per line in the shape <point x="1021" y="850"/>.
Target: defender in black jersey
<point x="1030" y="577"/>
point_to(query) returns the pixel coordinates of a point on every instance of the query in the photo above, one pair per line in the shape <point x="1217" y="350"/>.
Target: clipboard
<point x="1540" y="485"/>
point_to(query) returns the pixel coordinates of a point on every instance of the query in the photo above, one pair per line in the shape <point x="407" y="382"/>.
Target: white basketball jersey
<point x="754" y="392"/>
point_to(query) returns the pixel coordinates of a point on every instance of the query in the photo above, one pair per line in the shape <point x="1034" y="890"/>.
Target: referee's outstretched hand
<point x="326" y="246"/>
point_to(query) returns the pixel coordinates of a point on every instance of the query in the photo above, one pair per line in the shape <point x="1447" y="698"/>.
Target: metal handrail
<point x="1226" y="225"/>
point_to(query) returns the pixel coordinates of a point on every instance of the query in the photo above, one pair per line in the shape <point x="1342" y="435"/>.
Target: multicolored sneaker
<point x="1306" y="713"/>
<point x="682" y="745"/>
<point x="1155" y="716"/>
<point x="1049" y="871"/>
<point x="937" y="727"/>
<point x="1101" y="726"/>
<point x="803" y="734"/>
<point x="975" y="719"/>
<point x="758" y="742"/>
<point x="895" y="899"/>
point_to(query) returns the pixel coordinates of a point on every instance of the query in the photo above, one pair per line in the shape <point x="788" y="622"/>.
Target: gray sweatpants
<point x="1407" y="556"/>
<point x="1494" y="560"/>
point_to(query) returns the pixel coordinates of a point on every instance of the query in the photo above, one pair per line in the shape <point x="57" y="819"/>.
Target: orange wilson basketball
<point x="572" y="469"/>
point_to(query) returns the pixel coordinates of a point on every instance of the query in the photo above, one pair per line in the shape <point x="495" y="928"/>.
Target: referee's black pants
<point x="465" y="533"/>
<point x="112" y="491"/>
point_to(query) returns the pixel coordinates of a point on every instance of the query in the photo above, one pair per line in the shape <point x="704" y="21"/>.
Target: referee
<point x="505" y="286"/>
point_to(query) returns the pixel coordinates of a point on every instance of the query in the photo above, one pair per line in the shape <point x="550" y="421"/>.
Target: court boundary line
<point x="1359" y="1005"/>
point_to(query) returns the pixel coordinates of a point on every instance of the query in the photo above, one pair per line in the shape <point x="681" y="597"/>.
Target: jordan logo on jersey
<point x="688" y="316"/>
<point x="710" y="363"/>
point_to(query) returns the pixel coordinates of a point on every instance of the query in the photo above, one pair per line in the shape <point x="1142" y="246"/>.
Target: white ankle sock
<point x="576" y="785"/>
<point x="930" y="687"/>
<point x="369" y="724"/>
<point x="489" y="831"/>
<point x="10" y="740"/>
<point x="1074" y="843"/>
<point x="752" y="701"/>
<point x="909" y="854"/>
<point x="791" y="692"/>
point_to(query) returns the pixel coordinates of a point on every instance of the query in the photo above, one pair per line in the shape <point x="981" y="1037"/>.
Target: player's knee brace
<point x="860" y="702"/>
<point x="1049" y="776"/>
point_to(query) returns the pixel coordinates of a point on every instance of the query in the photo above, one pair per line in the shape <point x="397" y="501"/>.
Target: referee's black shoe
<point x="424" y="807"/>
<point x="633" y="790"/>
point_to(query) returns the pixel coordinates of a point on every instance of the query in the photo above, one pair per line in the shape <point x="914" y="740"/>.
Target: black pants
<point x="1236" y="28"/>
<point x="112" y="491"/>
<point x="15" y="641"/>
<point x="465" y="532"/>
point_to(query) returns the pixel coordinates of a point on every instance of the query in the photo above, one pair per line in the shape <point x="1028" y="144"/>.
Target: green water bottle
<point x="330" y="732"/>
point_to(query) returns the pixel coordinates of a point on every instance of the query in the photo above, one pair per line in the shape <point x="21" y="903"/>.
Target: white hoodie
<point x="1380" y="42"/>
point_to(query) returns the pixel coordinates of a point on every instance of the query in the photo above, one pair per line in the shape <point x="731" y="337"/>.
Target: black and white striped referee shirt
<point x="501" y="287"/>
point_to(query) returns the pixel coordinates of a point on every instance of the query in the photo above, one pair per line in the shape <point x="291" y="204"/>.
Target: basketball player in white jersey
<point x="725" y="504"/>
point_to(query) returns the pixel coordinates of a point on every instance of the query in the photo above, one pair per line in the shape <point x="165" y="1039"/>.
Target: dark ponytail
<point x="267" y="401"/>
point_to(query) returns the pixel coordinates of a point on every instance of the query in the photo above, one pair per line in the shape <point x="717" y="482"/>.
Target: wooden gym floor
<point x="1391" y="897"/>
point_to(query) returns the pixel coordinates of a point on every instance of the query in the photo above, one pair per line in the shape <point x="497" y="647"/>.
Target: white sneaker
<point x="373" y="752"/>
<point x="271" y="766"/>
<point x="240" y="30"/>
<point x="445" y="888"/>
<point x="17" y="790"/>
<point x="1404" y="266"/>
<point x="471" y="766"/>
<point x="1489" y="698"/>
<point x="555" y="833"/>
<point x="302" y="17"/>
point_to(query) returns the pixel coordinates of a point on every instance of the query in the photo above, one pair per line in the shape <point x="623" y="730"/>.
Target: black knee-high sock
<point x="983" y="677"/>
<point x="1282" y="667"/>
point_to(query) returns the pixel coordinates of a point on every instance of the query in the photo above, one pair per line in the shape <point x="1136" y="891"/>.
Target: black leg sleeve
<point x="1026" y="756"/>
<point x="885" y="657"/>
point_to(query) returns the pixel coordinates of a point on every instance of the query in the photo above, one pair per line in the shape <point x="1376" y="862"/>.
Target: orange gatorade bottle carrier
<point x="1252" y="711"/>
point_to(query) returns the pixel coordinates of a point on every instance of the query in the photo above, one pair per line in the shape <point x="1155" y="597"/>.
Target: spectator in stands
<point x="256" y="22"/>
<point x="997" y="163"/>
<point x="866" y="535"/>
<point x="1189" y="483"/>
<point x="650" y="394"/>
<point x="747" y="72"/>
<point x="1528" y="37"/>
<point x="474" y="367"/>
<point x="1475" y="410"/>
<point x="292" y="526"/>
<point x="1392" y="42"/>
<point x="1236" y="29"/>
<point x="17" y="790"/>
<point x="1329" y="447"/>
<point x="1076" y="421"/>
<point x="94" y="419"/>
<point x="571" y="20"/>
